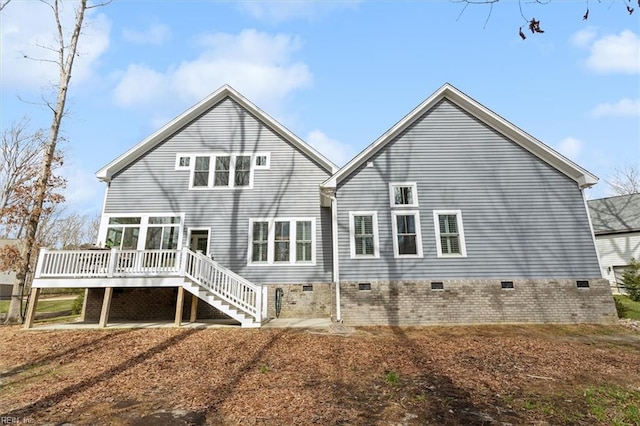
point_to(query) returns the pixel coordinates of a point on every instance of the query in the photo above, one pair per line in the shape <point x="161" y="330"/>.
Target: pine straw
<point x="443" y="375"/>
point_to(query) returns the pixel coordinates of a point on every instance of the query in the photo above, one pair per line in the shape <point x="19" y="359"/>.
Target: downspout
<point x="334" y="243"/>
<point x="593" y="235"/>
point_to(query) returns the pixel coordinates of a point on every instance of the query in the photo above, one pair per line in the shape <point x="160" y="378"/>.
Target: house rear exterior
<point x="227" y="180"/>
<point x="452" y="216"/>
<point x="456" y="216"/>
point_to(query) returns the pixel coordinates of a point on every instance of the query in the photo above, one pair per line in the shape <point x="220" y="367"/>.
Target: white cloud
<point x="584" y="38"/>
<point x="616" y="53"/>
<point x="26" y="26"/>
<point x="139" y="85"/>
<point x="259" y="65"/>
<point x="280" y="11"/>
<point x="570" y="147"/>
<point x="623" y="108"/>
<point x="335" y="151"/>
<point x="155" y="34"/>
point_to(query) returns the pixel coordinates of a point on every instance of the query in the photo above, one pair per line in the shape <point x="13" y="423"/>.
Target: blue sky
<point x="336" y="73"/>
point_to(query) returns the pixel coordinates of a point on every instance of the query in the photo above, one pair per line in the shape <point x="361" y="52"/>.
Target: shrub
<point x="76" y="308"/>
<point x="631" y="280"/>
<point x="620" y="307"/>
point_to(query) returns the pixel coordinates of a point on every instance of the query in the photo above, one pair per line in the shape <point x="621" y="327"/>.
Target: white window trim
<point x="436" y="224"/>
<point x="394" y="228"/>
<point x="376" y="238"/>
<point x="212" y="166"/>
<point x="177" y="165"/>
<point x="271" y="232"/>
<point x="144" y="225"/>
<point x="261" y="154"/>
<point x="414" y="190"/>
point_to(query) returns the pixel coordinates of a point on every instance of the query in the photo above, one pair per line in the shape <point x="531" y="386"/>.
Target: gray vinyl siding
<point x="521" y="217"/>
<point x="290" y="188"/>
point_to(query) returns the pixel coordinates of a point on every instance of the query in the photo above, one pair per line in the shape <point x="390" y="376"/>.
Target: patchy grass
<point x="614" y="405"/>
<point x="627" y="308"/>
<point x="47" y="305"/>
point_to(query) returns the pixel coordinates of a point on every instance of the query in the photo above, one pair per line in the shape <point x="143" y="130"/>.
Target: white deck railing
<point x="108" y="263"/>
<point x="222" y="282"/>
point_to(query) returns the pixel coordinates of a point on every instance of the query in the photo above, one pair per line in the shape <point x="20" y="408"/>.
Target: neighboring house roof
<point x="191" y="114"/>
<point x="615" y="215"/>
<point x="528" y="142"/>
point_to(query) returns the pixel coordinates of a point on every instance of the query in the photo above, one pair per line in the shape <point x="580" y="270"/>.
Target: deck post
<point x="84" y="304"/>
<point x="40" y="264"/>
<point x="31" y="312"/>
<point x="183" y="261"/>
<point x="194" y="308"/>
<point x="106" y="306"/>
<point x="179" y="305"/>
<point x="113" y="254"/>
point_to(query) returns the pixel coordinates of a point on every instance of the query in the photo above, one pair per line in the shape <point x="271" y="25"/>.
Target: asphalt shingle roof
<point x="615" y="214"/>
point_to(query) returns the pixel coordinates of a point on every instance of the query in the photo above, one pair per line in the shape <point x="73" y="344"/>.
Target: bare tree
<point x="21" y="153"/>
<point x="66" y="52"/>
<point x="625" y="181"/>
<point x="69" y="231"/>
<point x="531" y="24"/>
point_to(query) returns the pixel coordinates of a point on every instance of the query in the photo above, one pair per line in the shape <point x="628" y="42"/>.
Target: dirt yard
<point x="387" y="376"/>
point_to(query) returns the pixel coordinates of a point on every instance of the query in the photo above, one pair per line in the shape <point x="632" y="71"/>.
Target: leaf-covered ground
<point x="392" y="376"/>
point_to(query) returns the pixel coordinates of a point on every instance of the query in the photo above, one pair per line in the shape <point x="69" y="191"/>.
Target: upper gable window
<point x="243" y="170"/>
<point x="262" y="161"/>
<point x="218" y="171"/>
<point x="182" y="162"/>
<point x="201" y="172"/>
<point x="403" y="194"/>
<point x="223" y="165"/>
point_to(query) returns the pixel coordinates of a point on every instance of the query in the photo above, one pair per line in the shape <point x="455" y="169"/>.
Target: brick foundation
<point x="477" y="301"/>
<point x="145" y="304"/>
<point x="301" y="301"/>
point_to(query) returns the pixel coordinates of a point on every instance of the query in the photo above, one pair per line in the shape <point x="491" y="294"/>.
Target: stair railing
<point x="224" y="283"/>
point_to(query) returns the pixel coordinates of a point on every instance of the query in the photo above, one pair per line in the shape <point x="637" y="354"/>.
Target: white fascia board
<point x="493" y="120"/>
<point x="183" y="119"/>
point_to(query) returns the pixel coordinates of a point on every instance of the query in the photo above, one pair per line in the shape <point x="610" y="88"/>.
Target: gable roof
<point x="615" y="214"/>
<point x="493" y="120"/>
<point x="195" y="111"/>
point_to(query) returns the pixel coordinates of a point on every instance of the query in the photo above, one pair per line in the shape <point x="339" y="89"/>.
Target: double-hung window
<point x="260" y="242"/>
<point x="282" y="241"/>
<point x="405" y="223"/>
<point x="304" y="241"/>
<point x="449" y="233"/>
<point x="407" y="240"/>
<point x="363" y="229"/>
<point x="221" y="174"/>
<point x="243" y="170"/>
<point x="201" y="172"/>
